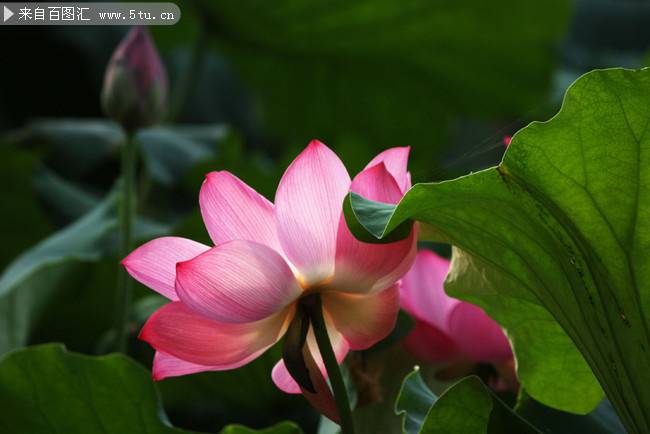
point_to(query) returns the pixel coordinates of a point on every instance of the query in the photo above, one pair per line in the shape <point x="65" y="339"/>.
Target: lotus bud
<point x="135" y="85"/>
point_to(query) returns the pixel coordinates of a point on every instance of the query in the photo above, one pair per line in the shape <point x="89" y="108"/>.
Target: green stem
<point x="332" y="366"/>
<point x="126" y="222"/>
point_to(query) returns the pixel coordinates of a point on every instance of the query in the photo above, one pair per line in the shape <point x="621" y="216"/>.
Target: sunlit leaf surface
<point x="553" y="244"/>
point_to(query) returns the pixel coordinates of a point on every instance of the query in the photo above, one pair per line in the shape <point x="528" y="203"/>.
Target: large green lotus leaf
<point x="467" y="407"/>
<point x="46" y="389"/>
<point x="369" y="74"/>
<point x="554" y="244"/>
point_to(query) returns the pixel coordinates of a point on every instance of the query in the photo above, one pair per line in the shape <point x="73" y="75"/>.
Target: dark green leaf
<point x="170" y="152"/>
<point x="79" y="306"/>
<point x="368" y="219"/>
<point x="78" y="145"/>
<point x="467" y="407"/>
<point x="414" y="401"/>
<point x="602" y="420"/>
<point x="555" y="242"/>
<point x="66" y="199"/>
<point x="31" y="280"/>
<point x="34" y="277"/>
<point x="46" y="389"/>
<point x="281" y="428"/>
<point x="23" y="222"/>
<point x="84" y="240"/>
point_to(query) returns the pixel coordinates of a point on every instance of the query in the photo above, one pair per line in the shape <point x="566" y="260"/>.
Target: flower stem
<point x="126" y="222"/>
<point x="332" y="366"/>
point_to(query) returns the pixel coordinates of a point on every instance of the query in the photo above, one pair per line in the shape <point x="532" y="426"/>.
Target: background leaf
<point x="281" y="428"/>
<point x="34" y="278"/>
<point x="414" y="401"/>
<point x="170" y="152"/>
<point x="602" y="420"/>
<point x="23" y="223"/>
<point x="30" y="282"/>
<point x="48" y="389"/>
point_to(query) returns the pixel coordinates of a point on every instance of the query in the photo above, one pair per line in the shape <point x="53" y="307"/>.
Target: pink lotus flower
<point x="448" y="330"/>
<point x="231" y="302"/>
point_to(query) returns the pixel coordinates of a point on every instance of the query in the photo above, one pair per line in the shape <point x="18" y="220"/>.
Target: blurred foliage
<point x="368" y="75"/>
<point x="17" y="169"/>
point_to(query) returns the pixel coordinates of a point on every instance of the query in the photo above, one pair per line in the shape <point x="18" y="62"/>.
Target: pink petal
<point x="283" y="379"/>
<point x="396" y="161"/>
<point x="364" y="320"/>
<point x="430" y="344"/>
<point x="178" y="331"/>
<point x="477" y="335"/>
<point x="165" y="365"/>
<point x="423" y="294"/>
<point x="378" y="184"/>
<point x="232" y="210"/>
<point x="154" y="264"/>
<point x="237" y="282"/>
<point x="308" y="207"/>
<point x="364" y="267"/>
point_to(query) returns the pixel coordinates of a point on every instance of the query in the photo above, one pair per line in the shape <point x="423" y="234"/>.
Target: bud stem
<point x="127" y="204"/>
<point x="332" y="366"/>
